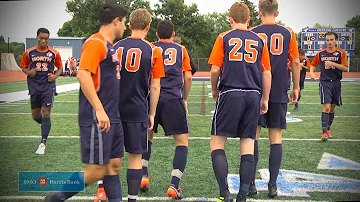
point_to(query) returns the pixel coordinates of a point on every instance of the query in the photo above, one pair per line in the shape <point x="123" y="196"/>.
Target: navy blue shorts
<point x="40" y="100"/>
<point x="330" y="92"/>
<point x="171" y="115"/>
<point x="99" y="147"/>
<point x="136" y="137"/>
<point x="275" y="116"/>
<point x="236" y="114"/>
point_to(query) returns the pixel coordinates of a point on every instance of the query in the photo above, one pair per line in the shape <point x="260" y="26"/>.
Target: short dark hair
<point x="332" y="33"/>
<point x="165" y="29"/>
<point x="109" y="11"/>
<point x="42" y="30"/>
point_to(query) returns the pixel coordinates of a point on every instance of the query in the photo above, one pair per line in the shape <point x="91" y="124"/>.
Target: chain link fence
<point x="202" y="64"/>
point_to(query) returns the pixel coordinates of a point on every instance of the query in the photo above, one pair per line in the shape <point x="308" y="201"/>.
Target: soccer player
<point x="39" y="63"/>
<point x="333" y="62"/>
<point x="282" y="46"/>
<point x="172" y="107"/>
<point x="241" y="59"/>
<point x="177" y="39"/>
<point x="305" y="65"/>
<point x="101" y="132"/>
<point x="141" y="62"/>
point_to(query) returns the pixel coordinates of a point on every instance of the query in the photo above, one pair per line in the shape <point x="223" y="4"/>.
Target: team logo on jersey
<point x="49" y="54"/>
<point x="336" y="53"/>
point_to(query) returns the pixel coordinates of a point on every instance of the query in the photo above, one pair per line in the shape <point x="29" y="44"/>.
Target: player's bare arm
<point x="295" y="67"/>
<point x="187" y="87"/>
<point x="154" y="98"/>
<point x="88" y="88"/>
<point x="30" y="72"/>
<point x="266" y="86"/>
<point x="215" y="74"/>
<point x="338" y="66"/>
<point x="312" y="72"/>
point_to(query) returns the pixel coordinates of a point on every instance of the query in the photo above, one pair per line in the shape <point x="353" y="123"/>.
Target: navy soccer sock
<point x="275" y="158"/>
<point x="39" y="120"/>
<point x="179" y="163"/>
<point x="256" y="159"/>
<point x="112" y="188"/>
<point x="331" y="119"/>
<point x="246" y="169"/>
<point x="133" y="180"/>
<point x="62" y="196"/>
<point x="145" y="160"/>
<point x="45" y="129"/>
<point x="325" y="121"/>
<point x="220" y="167"/>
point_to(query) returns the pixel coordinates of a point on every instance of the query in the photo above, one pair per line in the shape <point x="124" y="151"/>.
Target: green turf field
<point x="302" y="148"/>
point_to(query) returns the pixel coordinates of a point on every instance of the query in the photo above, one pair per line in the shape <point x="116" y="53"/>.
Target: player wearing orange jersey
<point x="101" y="133"/>
<point x="241" y="59"/>
<point x="140" y="62"/>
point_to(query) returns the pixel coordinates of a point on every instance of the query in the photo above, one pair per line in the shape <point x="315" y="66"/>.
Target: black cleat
<point x="240" y="198"/>
<point x="226" y="199"/>
<point x="272" y="189"/>
<point x="252" y="189"/>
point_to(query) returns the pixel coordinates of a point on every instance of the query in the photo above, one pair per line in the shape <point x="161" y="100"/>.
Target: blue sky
<point x="21" y="19"/>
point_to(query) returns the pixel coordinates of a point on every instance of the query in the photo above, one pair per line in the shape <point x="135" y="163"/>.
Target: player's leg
<point x="326" y="97"/>
<point x="337" y="101"/>
<point x="136" y="139"/>
<point x="331" y="119"/>
<point x="110" y="186"/>
<point x="46" y="104"/>
<point x="35" y="102"/>
<point x="302" y="84"/>
<point x="172" y="117"/>
<point x="95" y="154"/>
<point x="248" y="127"/>
<point x="145" y="180"/>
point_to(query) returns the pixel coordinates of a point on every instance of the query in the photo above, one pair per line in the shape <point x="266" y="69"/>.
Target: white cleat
<point x="41" y="149"/>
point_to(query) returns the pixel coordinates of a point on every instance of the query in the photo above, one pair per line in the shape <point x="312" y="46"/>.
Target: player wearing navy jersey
<point x="172" y="107"/>
<point x="332" y="62"/>
<point x="282" y="46"/>
<point x="241" y="59"/>
<point x="305" y="65"/>
<point x="141" y="62"/>
<point x="101" y="133"/>
<point x="39" y="64"/>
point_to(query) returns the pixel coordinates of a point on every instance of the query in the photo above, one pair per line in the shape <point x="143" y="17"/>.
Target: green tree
<point x="355" y="23"/>
<point x="66" y="29"/>
<point x="254" y="14"/>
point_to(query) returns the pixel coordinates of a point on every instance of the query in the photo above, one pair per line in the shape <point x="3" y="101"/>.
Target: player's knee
<point x="181" y="140"/>
<point x="45" y="113"/>
<point x="332" y="109"/>
<point x="114" y="168"/>
<point x="326" y="108"/>
<point x="96" y="172"/>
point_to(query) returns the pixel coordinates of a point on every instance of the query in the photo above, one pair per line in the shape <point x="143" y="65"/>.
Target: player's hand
<point x="151" y="122"/>
<point x="32" y="72"/>
<point x="51" y="77"/>
<point x="294" y="96"/>
<point x="215" y="94"/>
<point x="263" y="106"/>
<point x="313" y="76"/>
<point x="329" y="64"/>
<point x="103" y="119"/>
<point x="186" y="106"/>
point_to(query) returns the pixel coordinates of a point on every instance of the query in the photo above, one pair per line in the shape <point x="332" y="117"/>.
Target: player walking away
<point x="172" y="107"/>
<point x="177" y="39"/>
<point x="242" y="60"/>
<point x="39" y="64"/>
<point x="101" y="132"/>
<point x="333" y="62"/>
<point x="140" y="63"/>
<point x="305" y="65"/>
<point x="282" y="46"/>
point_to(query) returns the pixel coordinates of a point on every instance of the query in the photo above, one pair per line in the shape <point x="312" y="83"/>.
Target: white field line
<point x="190" y="138"/>
<point x="88" y="198"/>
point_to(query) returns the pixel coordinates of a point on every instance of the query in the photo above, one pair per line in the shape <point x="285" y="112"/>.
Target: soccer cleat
<point x="144" y="186"/>
<point x="228" y="198"/>
<point x="41" y="149"/>
<point x="324" y="137"/>
<point x="329" y="134"/>
<point x="240" y="198"/>
<point x="252" y="189"/>
<point x="272" y="190"/>
<point x="100" y="195"/>
<point x="175" y="193"/>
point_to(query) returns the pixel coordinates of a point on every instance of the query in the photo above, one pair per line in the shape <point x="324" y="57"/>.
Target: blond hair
<point x="140" y="18"/>
<point x="239" y="12"/>
<point x="268" y="7"/>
